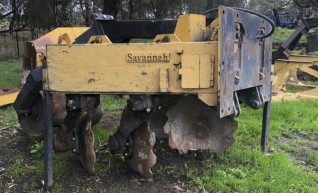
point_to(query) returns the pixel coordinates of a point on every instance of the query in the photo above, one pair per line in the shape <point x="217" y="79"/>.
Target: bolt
<point x="98" y="40"/>
<point x="237" y="26"/>
<point x="255" y="104"/>
<point x="70" y="102"/>
<point x="148" y="110"/>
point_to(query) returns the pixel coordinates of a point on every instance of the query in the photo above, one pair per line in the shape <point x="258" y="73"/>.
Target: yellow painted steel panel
<point x="164" y="80"/>
<point x="8" y="98"/>
<point x="303" y="58"/>
<point x="209" y="99"/>
<point x="96" y="68"/>
<point x="205" y="71"/>
<point x="190" y="71"/>
<point x="190" y="27"/>
<point x="310" y="71"/>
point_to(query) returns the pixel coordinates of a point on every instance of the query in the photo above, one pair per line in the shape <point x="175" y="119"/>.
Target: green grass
<point x="10" y="73"/>
<point x="281" y="34"/>
<point x="101" y="135"/>
<point x="114" y="104"/>
<point x="313" y="159"/>
<point x="244" y="168"/>
<point x="241" y="168"/>
<point x="8" y="117"/>
<point x="18" y="169"/>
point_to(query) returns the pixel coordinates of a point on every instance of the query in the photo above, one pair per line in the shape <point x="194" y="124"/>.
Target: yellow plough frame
<point x="8" y="96"/>
<point x="285" y="72"/>
<point x="35" y="54"/>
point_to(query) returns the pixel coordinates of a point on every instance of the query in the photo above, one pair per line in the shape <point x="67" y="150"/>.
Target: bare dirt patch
<point x="21" y="168"/>
<point x="298" y="146"/>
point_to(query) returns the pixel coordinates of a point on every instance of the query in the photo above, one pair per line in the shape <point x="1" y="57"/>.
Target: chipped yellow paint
<point x="69" y="69"/>
<point x="219" y="38"/>
<point x="179" y="63"/>
<point x="61" y="35"/>
<point x="170" y="37"/>
<point x="190" y="27"/>
<point x="190" y="71"/>
<point x="164" y="80"/>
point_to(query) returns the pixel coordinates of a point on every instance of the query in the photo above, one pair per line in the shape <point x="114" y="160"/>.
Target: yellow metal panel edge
<point x="164" y="80"/>
<point x="165" y="38"/>
<point x="7" y="99"/>
<point x="205" y="71"/>
<point x="190" y="71"/>
<point x="209" y="99"/>
<point x="190" y="27"/>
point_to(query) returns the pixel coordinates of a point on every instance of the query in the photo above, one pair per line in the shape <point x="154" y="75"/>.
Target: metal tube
<point x="266" y="123"/>
<point x="48" y="141"/>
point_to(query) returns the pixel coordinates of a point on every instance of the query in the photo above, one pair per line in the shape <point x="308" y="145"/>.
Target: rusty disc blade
<point x="32" y="123"/>
<point x="193" y="125"/>
<point x="58" y="108"/>
<point x="143" y="158"/>
<point x="85" y="145"/>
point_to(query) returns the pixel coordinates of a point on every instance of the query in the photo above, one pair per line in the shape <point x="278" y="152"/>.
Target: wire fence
<point x="12" y="45"/>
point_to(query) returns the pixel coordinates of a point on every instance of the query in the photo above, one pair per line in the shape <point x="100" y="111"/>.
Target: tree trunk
<point x="32" y="19"/>
<point x="111" y="7"/>
<point x="87" y="13"/>
<point x="54" y="14"/>
<point x="14" y="16"/>
<point x="131" y="9"/>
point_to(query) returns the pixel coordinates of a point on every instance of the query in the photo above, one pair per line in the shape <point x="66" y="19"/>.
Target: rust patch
<point x="143" y="158"/>
<point x="91" y="80"/>
<point x="193" y="125"/>
<point x="58" y="108"/>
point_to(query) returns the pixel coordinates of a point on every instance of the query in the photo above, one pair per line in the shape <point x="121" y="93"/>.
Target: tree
<point x="111" y="7"/>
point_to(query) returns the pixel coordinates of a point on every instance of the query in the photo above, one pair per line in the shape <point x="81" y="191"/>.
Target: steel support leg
<point x="48" y="140"/>
<point x="266" y="123"/>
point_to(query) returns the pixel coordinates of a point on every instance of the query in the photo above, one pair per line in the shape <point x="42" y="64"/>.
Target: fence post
<point x="17" y="40"/>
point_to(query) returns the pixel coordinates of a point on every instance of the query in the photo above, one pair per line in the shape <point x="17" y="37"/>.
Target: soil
<point x="299" y="146"/>
<point x="169" y="175"/>
<point x="15" y="144"/>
